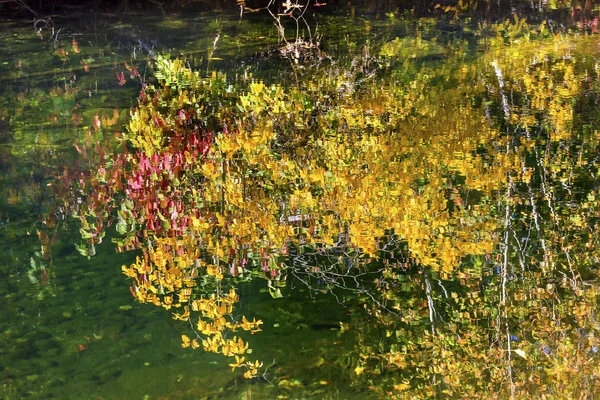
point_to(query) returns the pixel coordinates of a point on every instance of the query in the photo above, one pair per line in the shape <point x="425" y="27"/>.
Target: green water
<point x="69" y="328"/>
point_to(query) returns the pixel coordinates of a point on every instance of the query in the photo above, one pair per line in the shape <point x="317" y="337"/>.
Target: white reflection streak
<point x="500" y="77"/>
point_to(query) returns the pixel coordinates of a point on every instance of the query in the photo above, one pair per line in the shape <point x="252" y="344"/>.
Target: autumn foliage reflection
<point x="519" y="320"/>
<point x="445" y="197"/>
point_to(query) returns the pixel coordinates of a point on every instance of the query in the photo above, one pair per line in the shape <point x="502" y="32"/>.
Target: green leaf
<point x="122" y="226"/>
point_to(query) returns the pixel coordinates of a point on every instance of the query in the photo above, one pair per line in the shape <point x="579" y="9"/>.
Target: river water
<point x="438" y="174"/>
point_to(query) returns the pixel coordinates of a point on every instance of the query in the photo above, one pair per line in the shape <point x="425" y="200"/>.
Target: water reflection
<point x="444" y="199"/>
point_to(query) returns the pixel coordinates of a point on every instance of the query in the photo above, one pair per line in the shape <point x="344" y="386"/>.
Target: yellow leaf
<point x="186" y="341"/>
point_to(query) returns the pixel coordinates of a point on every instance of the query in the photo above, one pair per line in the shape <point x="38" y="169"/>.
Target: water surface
<point x="431" y="182"/>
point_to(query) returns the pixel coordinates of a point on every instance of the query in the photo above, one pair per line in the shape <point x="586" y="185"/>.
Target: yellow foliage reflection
<point x="445" y="199"/>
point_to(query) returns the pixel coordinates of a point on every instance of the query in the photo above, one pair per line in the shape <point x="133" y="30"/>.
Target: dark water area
<point x="406" y="199"/>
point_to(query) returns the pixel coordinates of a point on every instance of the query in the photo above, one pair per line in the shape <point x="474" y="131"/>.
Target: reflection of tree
<point x="214" y="194"/>
<point x="461" y="205"/>
<point x="553" y="249"/>
<point x="519" y="321"/>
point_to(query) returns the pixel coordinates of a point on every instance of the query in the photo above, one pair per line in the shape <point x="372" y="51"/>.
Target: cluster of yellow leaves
<point x="149" y="137"/>
<point x="364" y="187"/>
<point x="166" y="275"/>
<point x="213" y="323"/>
<point x="543" y="72"/>
<point x="251" y="367"/>
<point x="385" y="180"/>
